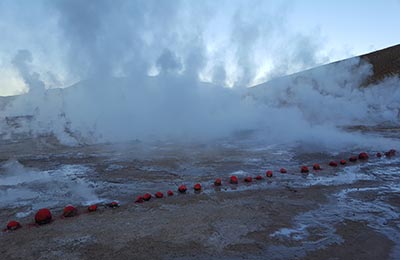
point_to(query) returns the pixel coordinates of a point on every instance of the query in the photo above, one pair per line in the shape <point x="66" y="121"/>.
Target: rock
<point x="233" y="180"/>
<point x="390" y="153"/>
<point x="304" y="169"/>
<point x="197" y="187"/>
<point x="218" y="182"/>
<point x="139" y="199"/>
<point x="147" y="197"/>
<point x="43" y="216"/>
<point x="182" y="189"/>
<point x="113" y="204"/>
<point x="70" y="211"/>
<point x="13" y="225"/>
<point x="159" y="195"/>
<point x="363" y="156"/>
<point x="248" y="179"/>
<point x="92" y="208"/>
<point x="333" y="164"/>
<point x="353" y="159"/>
<point x="317" y="167"/>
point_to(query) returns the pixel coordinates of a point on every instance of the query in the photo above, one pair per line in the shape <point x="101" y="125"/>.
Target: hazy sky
<point x="356" y="26"/>
<point x="227" y="42"/>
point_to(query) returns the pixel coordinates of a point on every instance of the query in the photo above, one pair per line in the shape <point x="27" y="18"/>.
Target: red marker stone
<point x="343" y="162"/>
<point x="316" y="167"/>
<point x="13" y="225"/>
<point x="113" y="204"/>
<point x="218" y="182"/>
<point x="159" y="195"/>
<point x="70" y="211"/>
<point x="379" y="155"/>
<point x="139" y="199"/>
<point x="268" y="174"/>
<point x="304" y="169"/>
<point x="197" y="187"/>
<point x="92" y="208"/>
<point x="233" y="180"/>
<point x="333" y="164"/>
<point x="170" y="193"/>
<point x="363" y="156"/>
<point x="353" y="159"/>
<point x="248" y="179"/>
<point x="182" y="189"/>
<point x="258" y="178"/>
<point x="282" y="170"/>
<point x="390" y="153"/>
<point x="43" y="216"/>
<point x="147" y="196"/>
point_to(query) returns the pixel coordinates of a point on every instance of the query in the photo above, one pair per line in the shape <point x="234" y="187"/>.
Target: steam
<point x="230" y="39"/>
<point x="179" y="70"/>
<point x="21" y="186"/>
<point x="21" y="62"/>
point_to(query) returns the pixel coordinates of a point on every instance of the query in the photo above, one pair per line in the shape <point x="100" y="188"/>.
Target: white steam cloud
<point x="160" y="70"/>
<point x="240" y="42"/>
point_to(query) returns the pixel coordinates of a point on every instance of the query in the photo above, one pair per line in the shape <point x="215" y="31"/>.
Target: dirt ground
<point x="290" y="216"/>
<point x="223" y="225"/>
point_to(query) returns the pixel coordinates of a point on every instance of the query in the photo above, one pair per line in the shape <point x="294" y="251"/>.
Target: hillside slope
<point x="385" y="63"/>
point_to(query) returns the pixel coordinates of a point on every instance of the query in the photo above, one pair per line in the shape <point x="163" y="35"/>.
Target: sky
<point x="232" y="43"/>
<point x="350" y="27"/>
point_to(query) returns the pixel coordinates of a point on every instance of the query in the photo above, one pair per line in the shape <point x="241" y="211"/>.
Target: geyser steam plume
<point x="161" y="70"/>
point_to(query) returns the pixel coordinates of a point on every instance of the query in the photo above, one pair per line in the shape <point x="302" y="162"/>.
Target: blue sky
<point x="356" y="26"/>
<point x="233" y="42"/>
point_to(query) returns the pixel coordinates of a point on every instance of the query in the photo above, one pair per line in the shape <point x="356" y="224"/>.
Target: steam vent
<point x="198" y="130"/>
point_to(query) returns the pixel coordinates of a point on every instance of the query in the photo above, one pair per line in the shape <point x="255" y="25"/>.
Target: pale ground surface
<point x="350" y="212"/>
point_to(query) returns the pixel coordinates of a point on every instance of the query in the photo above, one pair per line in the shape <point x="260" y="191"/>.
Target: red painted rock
<point x="233" y="180"/>
<point x="113" y="204"/>
<point x="379" y="155"/>
<point x="304" y="169"/>
<point x="248" y="179"/>
<point x="353" y="159"/>
<point x="43" y="216"/>
<point x="70" y="211"/>
<point x="268" y="174"/>
<point x="92" y="208"/>
<point x="197" y="187"/>
<point x="13" y="225"/>
<point x="139" y="199"/>
<point x="343" y="162"/>
<point x="282" y="170"/>
<point x="390" y="153"/>
<point x="333" y="164"/>
<point x="316" y="167"/>
<point x="258" y="177"/>
<point x="159" y="195"/>
<point x="182" y="189"/>
<point x="218" y="182"/>
<point x="170" y="193"/>
<point x="147" y="196"/>
<point x="363" y="156"/>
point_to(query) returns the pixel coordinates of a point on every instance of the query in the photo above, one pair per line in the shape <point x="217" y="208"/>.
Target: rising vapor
<point x="179" y="70"/>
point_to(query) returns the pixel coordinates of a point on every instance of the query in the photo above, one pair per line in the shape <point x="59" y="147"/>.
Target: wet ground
<point x="347" y="212"/>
